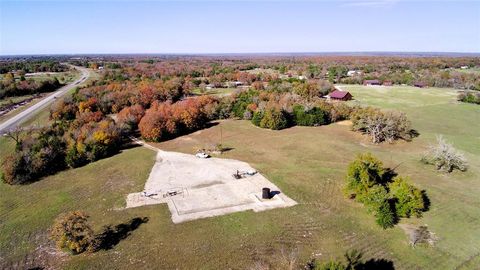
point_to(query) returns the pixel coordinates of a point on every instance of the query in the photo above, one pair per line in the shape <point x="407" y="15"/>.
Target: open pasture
<point x="307" y="163"/>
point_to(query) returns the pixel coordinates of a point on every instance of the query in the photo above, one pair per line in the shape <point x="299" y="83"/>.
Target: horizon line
<point x="435" y="53"/>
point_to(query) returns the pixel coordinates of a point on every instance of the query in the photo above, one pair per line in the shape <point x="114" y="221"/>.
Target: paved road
<point x="31" y="111"/>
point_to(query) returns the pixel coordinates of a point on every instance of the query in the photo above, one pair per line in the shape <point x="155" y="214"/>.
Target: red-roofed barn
<point x="340" y="95"/>
<point x="371" y="82"/>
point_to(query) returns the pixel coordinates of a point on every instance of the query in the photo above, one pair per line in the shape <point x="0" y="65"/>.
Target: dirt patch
<point x="345" y="123"/>
<point x="419" y="235"/>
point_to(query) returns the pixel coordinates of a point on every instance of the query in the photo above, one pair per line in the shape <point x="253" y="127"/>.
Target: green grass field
<point x="307" y="163"/>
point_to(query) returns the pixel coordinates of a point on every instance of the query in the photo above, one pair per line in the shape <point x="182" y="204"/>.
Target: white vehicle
<point x="202" y="155"/>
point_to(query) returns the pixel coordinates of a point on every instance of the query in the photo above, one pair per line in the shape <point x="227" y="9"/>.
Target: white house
<point x="351" y="73"/>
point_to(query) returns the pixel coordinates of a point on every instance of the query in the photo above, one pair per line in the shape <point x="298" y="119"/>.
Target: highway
<point x="16" y="120"/>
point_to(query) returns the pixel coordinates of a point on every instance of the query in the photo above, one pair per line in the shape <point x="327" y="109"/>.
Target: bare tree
<point x="16" y="135"/>
<point x="445" y="157"/>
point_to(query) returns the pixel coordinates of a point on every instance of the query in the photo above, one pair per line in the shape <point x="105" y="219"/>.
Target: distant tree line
<point x="10" y="87"/>
<point x="32" y="66"/>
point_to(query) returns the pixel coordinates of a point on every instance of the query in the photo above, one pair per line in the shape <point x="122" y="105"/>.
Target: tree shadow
<point x="129" y="145"/>
<point x="227" y="149"/>
<point x="111" y="236"/>
<point x="413" y="133"/>
<point x="388" y="175"/>
<point x="354" y="261"/>
<point x="376" y="264"/>
<point x="426" y="201"/>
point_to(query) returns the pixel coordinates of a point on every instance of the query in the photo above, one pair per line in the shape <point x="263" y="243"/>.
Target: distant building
<point x="420" y="84"/>
<point x="371" y="82"/>
<point x="340" y="95"/>
<point x="351" y="73"/>
<point x="464" y="67"/>
<point x="387" y="83"/>
<point x="233" y="84"/>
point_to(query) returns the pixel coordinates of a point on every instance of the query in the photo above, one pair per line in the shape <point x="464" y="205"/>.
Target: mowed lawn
<point x="307" y="163"/>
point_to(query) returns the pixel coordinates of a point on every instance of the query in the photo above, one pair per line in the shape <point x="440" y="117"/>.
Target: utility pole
<point x="221" y="135"/>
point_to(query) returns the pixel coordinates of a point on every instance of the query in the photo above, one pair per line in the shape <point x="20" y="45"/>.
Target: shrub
<point x="385" y="216"/>
<point x="15" y="169"/>
<point x="274" y="119"/>
<point x="72" y="231"/>
<point x="445" y="157"/>
<point x="470" y="97"/>
<point x="409" y="200"/>
<point x="363" y="173"/>
<point x="375" y="197"/>
<point x="312" y="117"/>
<point x="331" y="265"/>
<point x="257" y="117"/>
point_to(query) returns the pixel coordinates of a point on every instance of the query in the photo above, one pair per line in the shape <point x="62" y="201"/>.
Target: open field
<point x="307" y="163"/>
<point x="214" y="91"/>
<point x="63" y="77"/>
<point x="469" y="70"/>
<point x="10" y="100"/>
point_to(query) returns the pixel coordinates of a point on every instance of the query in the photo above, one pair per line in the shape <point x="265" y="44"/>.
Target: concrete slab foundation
<point x="197" y="188"/>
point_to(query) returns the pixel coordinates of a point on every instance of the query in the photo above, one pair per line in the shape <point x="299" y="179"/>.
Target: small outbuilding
<point x="371" y="82"/>
<point x="387" y="83"/>
<point x="340" y="95"/>
<point x="420" y="84"/>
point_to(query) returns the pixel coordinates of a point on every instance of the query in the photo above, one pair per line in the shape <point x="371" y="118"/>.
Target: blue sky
<point x="41" y="27"/>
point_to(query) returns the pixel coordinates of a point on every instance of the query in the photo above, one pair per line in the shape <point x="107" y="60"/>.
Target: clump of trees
<point x="304" y="116"/>
<point x="278" y="110"/>
<point x="10" y="87"/>
<point x="445" y="157"/>
<point x="73" y="232"/>
<point x="273" y="118"/>
<point x="36" y="155"/>
<point x="382" y="126"/>
<point x="165" y="120"/>
<point x="91" y="141"/>
<point x="129" y="117"/>
<point x="387" y="197"/>
<point x="40" y="65"/>
<point x="46" y="151"/>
